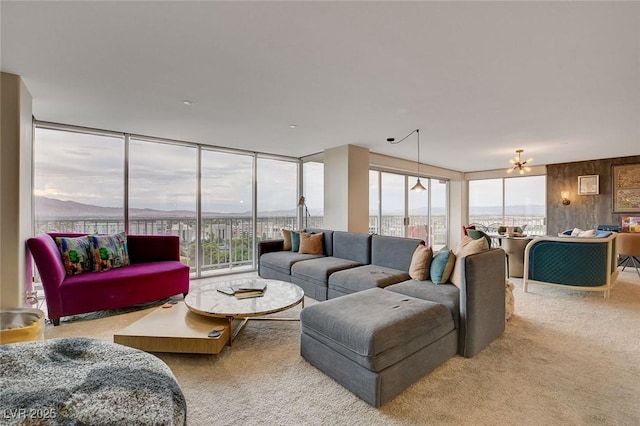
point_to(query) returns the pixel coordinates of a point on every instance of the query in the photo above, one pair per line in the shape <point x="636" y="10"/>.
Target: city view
<point x="80" y="176"/>
<point x="227" y="242"/>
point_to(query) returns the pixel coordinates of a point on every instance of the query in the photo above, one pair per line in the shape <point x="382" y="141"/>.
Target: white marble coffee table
<point x="279" y="296"/>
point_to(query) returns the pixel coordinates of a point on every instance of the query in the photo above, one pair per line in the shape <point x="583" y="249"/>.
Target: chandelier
<point x="519" y="164"/>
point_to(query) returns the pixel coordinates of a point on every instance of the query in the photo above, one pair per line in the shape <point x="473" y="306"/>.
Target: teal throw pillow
<point x="109" y="251"/>
<point x="76" y="254"/>
<point x="295" y="240"/>
<point x="441" y="266"/>
<point x="476" y="235"/>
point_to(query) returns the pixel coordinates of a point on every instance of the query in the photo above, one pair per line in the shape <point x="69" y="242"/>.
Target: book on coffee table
<point x="251" y="286"/>
<point x="245" y="290"/>
<point x="248" y="294"/>
<point x="227" y="290"/>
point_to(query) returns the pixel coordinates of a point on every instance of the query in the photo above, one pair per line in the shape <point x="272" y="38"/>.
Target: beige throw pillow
<point x="466" y="247"/>
<point x="286" y="234"/>
<point x="311" y="243"/>
<point x="420" y="263"/>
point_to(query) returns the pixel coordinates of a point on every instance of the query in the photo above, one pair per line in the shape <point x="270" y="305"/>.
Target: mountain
<point x="517" y="210"/>
<point x="51" y="209"/>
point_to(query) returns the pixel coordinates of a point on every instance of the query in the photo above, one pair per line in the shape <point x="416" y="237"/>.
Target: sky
<point x="528" y="190"/>
<point x="89" y="169"/>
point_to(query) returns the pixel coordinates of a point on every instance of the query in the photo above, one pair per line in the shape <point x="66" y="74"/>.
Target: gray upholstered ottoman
<point x="376" y="342"/>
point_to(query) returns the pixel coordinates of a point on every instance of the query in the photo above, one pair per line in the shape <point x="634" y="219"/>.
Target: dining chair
<point x="628" y="248"/>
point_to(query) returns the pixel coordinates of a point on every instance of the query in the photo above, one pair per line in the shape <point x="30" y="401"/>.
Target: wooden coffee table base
<point x="176" y="329"/>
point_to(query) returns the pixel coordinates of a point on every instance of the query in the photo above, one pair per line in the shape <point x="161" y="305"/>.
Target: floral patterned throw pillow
<point x="109" y="251"/>
<point x="76" y="254"/>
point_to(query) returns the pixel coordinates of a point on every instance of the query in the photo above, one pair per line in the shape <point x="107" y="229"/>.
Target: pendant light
<point x="418" y="187"/>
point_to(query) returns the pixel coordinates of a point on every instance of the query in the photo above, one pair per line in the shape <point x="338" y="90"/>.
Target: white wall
<point x="15" y="188"/>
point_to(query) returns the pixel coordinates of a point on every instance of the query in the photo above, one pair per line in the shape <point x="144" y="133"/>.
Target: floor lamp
<point x="302" y="203"/>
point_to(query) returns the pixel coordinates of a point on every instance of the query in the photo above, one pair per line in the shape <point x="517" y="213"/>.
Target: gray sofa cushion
<point x="317" y="271"/>
<point x="376" y="328"/>
<point x="282" y="261"/>
<point x="445" y="294"/>
<point x="393" y="252"/>
<point x="352" y="246"/>
<point x="327" y="243"/>
<point x="365" y="277"/>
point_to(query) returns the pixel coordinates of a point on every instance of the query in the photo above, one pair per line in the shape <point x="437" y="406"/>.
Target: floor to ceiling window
<point x="277" y="199"/>
<point x="313" y="191"/>
<point x="392" y="204"/>
<point x="227" y="211"/>
<point x="162" y="192"/>
<point x="374" y="202"/>
<point x="105" y="182"/>
<point x="439" y="213"/>
<point x="525" y="203"/>
<point x="485" y="202"/>
<point x="78" y="181"/>
<point x="418" y="226"/>
<point x="517" y="201"/>
<point x="397" y="211"/>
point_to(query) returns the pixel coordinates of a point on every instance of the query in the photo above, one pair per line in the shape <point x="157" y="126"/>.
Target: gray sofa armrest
<point x="268" y="246"/>
<point x="482" y="295"/>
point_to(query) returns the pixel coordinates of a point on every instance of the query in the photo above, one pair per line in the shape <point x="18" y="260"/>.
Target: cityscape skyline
<point x="47" y="207"/>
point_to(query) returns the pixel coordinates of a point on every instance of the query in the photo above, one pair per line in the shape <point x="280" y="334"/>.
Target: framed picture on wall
<point x="589" y="185"/>
<point x="626" y="188"/>
<point x="630" y="224"/>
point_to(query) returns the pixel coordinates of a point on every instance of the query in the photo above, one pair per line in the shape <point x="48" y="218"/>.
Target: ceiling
<point x="560" y="80"/>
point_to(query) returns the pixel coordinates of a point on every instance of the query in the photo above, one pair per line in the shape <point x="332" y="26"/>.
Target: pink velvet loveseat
<point x="155" y="273"/>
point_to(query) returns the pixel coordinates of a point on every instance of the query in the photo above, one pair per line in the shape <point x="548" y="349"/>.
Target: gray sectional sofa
<point x="355" y="262"/>
<point x="378" y="330"/>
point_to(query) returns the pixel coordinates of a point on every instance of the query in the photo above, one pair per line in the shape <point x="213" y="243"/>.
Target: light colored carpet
<point x="567" y="357"/>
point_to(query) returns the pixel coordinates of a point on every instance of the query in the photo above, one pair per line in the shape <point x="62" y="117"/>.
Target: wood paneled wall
<point x="585" y="211"/>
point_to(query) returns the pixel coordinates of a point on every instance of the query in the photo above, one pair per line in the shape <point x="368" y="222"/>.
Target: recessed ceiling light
<point x="187" y="103"/>
<point x="292" y="126"/>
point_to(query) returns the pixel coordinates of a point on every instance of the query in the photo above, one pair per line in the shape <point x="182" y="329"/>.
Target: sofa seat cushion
<point x="282" y="261"/>
<point x="445" y="294"/>
<point x="125" y="286"/>
<point x="376" y="328"/>
<point x="365" y="277"/>
<point x="318" y="270"/>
